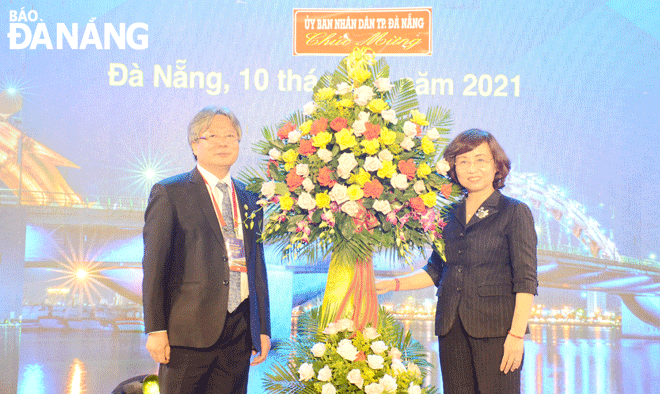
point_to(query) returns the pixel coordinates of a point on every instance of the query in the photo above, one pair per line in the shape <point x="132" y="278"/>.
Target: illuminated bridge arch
<point x="570" y="214"/>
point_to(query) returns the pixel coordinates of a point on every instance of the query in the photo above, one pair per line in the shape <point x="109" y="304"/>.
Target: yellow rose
<point x="306" y="127"/>
<point x="424" y="170"/>
<point x="418" y="117"/>
<point x="387" y="136"/>
<point x="321" y="139"/>
<point x="290" y="156"/>
<point x="360" y="75"/>
<point x="325" y="94"/>
<point x="355" y="192"/>
<point x="286" y="202"/>
<point x="362" y="177"/>
<point x="322" y="200"/>
<point x="377" y="105"/>
<point x="429" y="199"/>
<point x="427" y="145"/>
<point x="345" y="139"/>
<point x="346" y="103"/>
<point x="371" y="146"/>
<point x="387" y="170"/>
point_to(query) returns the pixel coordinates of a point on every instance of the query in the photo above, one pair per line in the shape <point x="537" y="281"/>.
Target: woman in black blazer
<point x="487" y="280"/>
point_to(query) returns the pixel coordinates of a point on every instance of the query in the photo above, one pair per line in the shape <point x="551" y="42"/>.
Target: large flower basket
<point x="355" y="172"/>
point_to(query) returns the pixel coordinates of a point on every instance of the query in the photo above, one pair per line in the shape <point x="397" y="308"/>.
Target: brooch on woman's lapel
<point x="481" y="213"/>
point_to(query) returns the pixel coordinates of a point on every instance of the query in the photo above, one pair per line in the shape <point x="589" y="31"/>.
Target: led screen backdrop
<point x="95" y="98"/>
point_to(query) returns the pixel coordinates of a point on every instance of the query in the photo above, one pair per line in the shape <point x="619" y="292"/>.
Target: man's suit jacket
<point x="186" y="273"/>
<point x="488" y="261"/>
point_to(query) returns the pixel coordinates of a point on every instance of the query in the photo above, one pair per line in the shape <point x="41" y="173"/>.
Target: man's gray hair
<point x="201" y="122"/>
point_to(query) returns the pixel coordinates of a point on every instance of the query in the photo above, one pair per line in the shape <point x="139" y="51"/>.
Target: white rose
<point x="343" y="88"/>
<point x="309" y="108"/>
<point x="274" y="153"/>
<point x="302" y="169"/>
<point x="433" y="134"/>
<point x="383" y="84"/>
<point x="363" y="117"/>
<point x="374" y="388"/>
<point x="328" y="388"/>
<point x="388" y="382"/>
<point x="371" y="333"/>
<point x="348" y="160"/>
<point x="318" y="350"/>
<point x="294" y="136"/>
<point x="325" y="374"/>
<point x="345" y="325"/>
<point x="442" y="167"/>
<point x="350" y="208"/>
<point x="398" y="367"/>
<point x="382" y="206"/>
<point x="378" y="347"/>
<point x="363" y="95"/>
<point x="344" y="171"/>
<point x="409" y="129"/>
<point x="358" y="128"/>
<point x="413" y="369"/>
<point x="389" y="115"/>
<point x="372" y="164"/>
<point x="355" y="377"/>
<point x="375" y="361"/>
<point x="385" y="155"/>
<point x="399" y="181"/>
<point x="395" y="353"/>
<point x="268" y="189"/>
<point x="339" y="193"/>
<point x="331" y="329"/>
<point x="306" y="201"/>
<point x="407" y="143"/>
<point x="306" y="372"/>
<point x="419" y="187"/>
<point x="346" y="164"/>
<point x="324" y="155"/>
<point x="308" y="185"/>
<point x="346" y="349"/>
<point x="414" y="389"/>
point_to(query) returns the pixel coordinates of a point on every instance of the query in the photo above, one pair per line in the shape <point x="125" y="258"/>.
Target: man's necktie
<point x="228" y="229"/>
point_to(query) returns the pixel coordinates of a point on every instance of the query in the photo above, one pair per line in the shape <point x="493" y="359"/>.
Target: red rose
<point x="372" y="132"/>
<point x="324" y="177"/>
<point x="338" y="124"/>
<point x="360" y="356"/>
<point x="306" y="147"/>
<point x="284" y="131"/>
<point x="418" y="204"/>
<point x="408" y="168"/>
<point x="446" y="190"/>
<point x="318" y="126"/>
<point x="373" y="189"/>
<point x="293" y="180"/>
<point x="419" y="130"/>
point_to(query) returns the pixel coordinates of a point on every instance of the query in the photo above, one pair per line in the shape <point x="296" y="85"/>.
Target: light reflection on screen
<point x="33" y="380"/>
<point x="76" y="381"/>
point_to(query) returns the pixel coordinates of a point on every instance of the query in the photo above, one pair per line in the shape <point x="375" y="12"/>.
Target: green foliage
<point x="284" y="376"/>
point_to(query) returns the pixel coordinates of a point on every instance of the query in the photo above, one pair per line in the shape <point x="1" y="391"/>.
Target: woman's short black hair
<point x="469" y="140"/>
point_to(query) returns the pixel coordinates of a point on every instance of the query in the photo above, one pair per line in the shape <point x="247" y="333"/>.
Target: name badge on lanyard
<point x="235" y="252"/>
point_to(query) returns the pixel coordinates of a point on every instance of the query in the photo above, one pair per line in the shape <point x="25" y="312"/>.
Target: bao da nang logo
<point x="27" y="31"/>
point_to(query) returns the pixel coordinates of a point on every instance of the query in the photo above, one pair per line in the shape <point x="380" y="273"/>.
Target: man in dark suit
<point x="205" y="290"/>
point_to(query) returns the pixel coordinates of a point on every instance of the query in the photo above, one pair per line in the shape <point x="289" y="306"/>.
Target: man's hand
<point x="265" y="348"/>
<point x="158" y="345"/>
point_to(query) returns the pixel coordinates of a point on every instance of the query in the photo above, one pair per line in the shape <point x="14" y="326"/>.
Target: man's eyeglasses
<point x="217" y="139"/>
<point x="465" y="164"/>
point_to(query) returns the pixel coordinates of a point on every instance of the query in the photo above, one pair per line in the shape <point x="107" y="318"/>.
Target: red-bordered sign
<point x="391" y="31"/>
